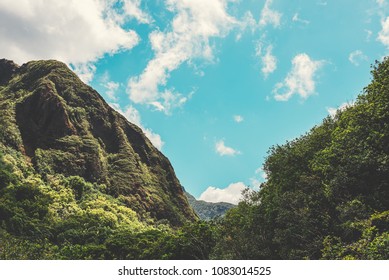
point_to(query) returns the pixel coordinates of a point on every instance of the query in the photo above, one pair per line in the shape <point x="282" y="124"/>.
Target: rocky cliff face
<point x="63" y="126"/>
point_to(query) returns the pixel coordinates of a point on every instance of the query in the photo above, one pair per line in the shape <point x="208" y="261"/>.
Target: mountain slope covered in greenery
<point x="62" y="126"/>
<point x="77" y="180"/>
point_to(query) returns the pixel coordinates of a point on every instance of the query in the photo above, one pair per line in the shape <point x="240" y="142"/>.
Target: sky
<point x="212" y="83"/>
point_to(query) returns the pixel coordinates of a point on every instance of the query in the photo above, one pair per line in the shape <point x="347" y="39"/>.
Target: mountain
<point x="55" y="125"/>
<point x="208" y="210"/>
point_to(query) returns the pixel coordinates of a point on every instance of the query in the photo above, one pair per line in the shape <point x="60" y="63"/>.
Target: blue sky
<point x="213" y="83"/>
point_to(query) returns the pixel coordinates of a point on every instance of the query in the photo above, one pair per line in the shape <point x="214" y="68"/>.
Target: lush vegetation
<point x="326" y="196"/>
<point x="68" y="218"/>
<point x="62" y="126"/>
<point x="327" y="193"/>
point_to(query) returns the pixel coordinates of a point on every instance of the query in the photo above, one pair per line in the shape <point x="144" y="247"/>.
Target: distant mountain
<point x="55" y="125"/>
<point x="208" y="210"/>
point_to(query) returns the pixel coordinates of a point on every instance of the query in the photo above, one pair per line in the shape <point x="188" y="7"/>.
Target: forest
<point x="326" y="197"/>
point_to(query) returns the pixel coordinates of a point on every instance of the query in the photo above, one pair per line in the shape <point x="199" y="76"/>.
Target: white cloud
<point x="238" y="118"/>
<point x="357" y="57"/>
<point x="332" y="111"/>
<point x="231" y="194"/>
<point x="269" y="61"/>
<point x="133" y="116"/>
<point x="381" y="2"/>
<point x="75" y="32"/>
<point x="247" y="22"/>
<point x="169" y="100"/>
<point x="85" y="71"/>
<point x="269" y="16"/>
<point x="300" y="80"/>
<point x="132" y="9"/>
<point x="110" y="86"/>
<point x="223" y="150"/>
<point x="322" y="3"/>
<point x="195" y="23"/>
<point x="383" y="35"/>
<point x="296" y="18"/>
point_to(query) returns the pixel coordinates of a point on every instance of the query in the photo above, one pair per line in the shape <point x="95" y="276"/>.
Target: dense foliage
<point x="327" y="193"/>
<point x="68" y="218"/>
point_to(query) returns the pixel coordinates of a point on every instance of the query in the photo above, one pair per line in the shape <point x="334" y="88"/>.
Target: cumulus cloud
<point x="238" y="118"/>
<point x="133" y="116"/>
<point x="231" y="194"/>
<point x="132" y="9"/>
<point x="381" y="2"/>
<point x="75" y="32"/>
<point x="269" y="16"/>
<point x="224" y="150"/>
<point x="300" y="80"/>
<point x="357" y="57"/>
<point x="332" y="111"/>
<point x="192" y="28"/>
<point x="383" y="35"/>
<point x="268" y="60"/>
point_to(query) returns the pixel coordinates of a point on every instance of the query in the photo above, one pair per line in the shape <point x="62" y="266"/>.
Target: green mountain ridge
<point x="208" y="210"/>
<point x="59" y="125"/>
